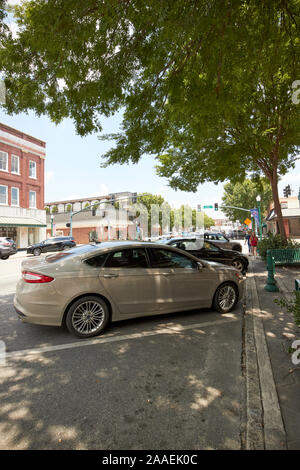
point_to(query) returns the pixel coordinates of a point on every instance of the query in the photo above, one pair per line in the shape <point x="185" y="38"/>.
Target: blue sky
<point x="73" y="164"/>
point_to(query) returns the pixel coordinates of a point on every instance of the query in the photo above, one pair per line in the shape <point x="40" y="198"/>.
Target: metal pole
<point x="259" y="216"/>
<point x="71" y="215"/>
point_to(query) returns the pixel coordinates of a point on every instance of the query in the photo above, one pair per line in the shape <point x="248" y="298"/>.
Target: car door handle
<point x="110" y="275"/>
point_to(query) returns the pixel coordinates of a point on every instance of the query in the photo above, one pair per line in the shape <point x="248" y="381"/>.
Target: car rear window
<point x="79" y="250"/>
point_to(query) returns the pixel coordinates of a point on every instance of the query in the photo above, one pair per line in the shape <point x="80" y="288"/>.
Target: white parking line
<point x="112" y="339"/>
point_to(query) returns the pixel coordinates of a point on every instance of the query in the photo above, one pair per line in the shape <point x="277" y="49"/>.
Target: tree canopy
<point x="206" y="86"/>
<point x="244" y="195"/>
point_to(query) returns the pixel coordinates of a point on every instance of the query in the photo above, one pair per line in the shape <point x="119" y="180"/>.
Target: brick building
<point x="107" y="224"/>
<point x="290" y="207"/>
<point x="22" y="214"/>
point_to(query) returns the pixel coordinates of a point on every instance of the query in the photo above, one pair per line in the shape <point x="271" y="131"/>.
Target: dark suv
<point x="52" y="244"/>
<point x="8" y="247"/>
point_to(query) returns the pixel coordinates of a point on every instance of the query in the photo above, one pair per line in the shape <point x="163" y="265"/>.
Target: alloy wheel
<point x="88" y="317"/>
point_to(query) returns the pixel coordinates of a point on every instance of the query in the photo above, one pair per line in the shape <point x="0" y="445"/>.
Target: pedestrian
<point x="247" y="241"/>
<point x="253" y="243"/>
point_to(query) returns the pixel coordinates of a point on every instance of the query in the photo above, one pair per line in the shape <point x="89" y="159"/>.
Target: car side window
<point x="210" y="247"/>
<point x="96" y="261"/>
<point x="160" y="258"/>
<point x="130" y="258"/>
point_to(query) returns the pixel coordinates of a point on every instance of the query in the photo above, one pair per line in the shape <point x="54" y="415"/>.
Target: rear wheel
<point x="225" y="298"/>
<point x="4" y="257"/>
<point x="37" y="251"/>
<point x="87" y="317"/>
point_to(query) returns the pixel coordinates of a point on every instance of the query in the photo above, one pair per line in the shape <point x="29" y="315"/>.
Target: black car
<point x="8" y="247"/>
<point x="205" y="249"/>
<point x="52" y="244"/>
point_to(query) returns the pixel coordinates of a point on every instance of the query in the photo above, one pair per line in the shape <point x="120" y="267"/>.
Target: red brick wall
<point x="23" y="181"/>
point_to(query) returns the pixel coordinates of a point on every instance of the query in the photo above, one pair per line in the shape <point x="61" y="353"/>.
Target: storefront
<point x="24" y="230"/>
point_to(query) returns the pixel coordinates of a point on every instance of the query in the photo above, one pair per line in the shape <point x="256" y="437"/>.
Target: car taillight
<point x="35" y="277"/>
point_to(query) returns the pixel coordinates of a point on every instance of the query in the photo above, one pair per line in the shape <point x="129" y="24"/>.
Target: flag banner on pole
<point x="254" y="213"/>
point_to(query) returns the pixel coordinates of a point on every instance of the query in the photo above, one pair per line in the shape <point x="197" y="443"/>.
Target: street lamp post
<point x="258" y="200"/>
<point x="52" y="219"/>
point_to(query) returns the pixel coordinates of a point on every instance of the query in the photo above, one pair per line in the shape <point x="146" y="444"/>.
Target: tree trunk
<point x="277" y="207"/>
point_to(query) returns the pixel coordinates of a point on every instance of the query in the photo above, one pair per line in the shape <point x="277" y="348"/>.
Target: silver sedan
<point x="89" y="286"/>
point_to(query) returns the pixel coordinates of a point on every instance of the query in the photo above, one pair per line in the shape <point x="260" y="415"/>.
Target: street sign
<point x="247" y="221"/>
<point x="208" y="207"/>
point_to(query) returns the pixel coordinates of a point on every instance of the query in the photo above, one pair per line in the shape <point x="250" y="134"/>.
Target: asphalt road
<point x="168" y="382"/>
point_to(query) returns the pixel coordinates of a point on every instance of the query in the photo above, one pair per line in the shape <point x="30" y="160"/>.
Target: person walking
<point x="253" y="243"/>
<point x="247" y="241"/>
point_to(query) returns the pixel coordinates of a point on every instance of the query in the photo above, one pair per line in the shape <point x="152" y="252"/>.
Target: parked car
<point x="205" y="249"/>
<point x="51" y="244"/>
<point x="222" y="241"/>
<point x="8" y="247"/>
<point x="236" y="235"/>
<point x="89" y="286"/>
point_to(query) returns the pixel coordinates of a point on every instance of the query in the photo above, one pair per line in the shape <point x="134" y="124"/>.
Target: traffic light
<point x="68" y="225"/>
<point x="216" y="206"/>
<point x="134" y="198"/>
<point x="199" y="208"/>
<point x="93" y="212"/>
<point x="287" y="191"/>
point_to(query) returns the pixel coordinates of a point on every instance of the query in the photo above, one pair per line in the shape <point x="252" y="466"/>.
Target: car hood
<point x="217" y="266"/>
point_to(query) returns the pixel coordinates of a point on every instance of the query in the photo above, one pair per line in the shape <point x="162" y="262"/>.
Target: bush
<point x="292" y="305"/>
<point x="274" y="241"/>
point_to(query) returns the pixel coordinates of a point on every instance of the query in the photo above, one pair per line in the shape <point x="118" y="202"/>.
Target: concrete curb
<point x="254" y="438"/>
<point x="273" y="427"/>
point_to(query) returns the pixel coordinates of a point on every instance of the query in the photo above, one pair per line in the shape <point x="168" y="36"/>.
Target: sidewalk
<point x="274" y="333"/>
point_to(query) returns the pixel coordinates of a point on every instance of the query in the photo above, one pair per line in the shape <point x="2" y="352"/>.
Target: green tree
<point x="149" y="200"/>
<point x="54" y="210"/>
<point x="69" y="207"/>
<point x="205" y="86"/>
<point x="244" y="195"/>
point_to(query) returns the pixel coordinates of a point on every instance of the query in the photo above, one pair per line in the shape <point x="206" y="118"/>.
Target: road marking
<point x="112" y="339"/>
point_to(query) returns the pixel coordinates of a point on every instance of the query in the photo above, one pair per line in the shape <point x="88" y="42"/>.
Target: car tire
<point x="37" y="252"/>
<point x="66" y="247"/>
<point x="87" y="317"/>
<point x="239" y="265"/>
<point x="4" y="257"/>
<point x="226" y="297"/>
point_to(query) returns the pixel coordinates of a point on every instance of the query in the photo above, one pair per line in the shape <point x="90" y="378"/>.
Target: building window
<point x="32" y="199"/>
<point x="3" y="194"/>
<point x="3" y="161"/>
<point x="14" y="196"/>
<point x="15" y="164"/>
<point x="32" y="169"/>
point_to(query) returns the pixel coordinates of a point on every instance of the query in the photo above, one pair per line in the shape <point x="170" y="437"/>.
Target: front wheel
<point x="87" y="317"/>
<point x="225" y="298"/>
<point x="5" y="257"/>
<point x="239" y="265"/>
<point x="37" y="252"/>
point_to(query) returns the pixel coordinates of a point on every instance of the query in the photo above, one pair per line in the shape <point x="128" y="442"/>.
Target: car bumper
<point x="7" y="251"/>
<point x="39" y="305"/>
